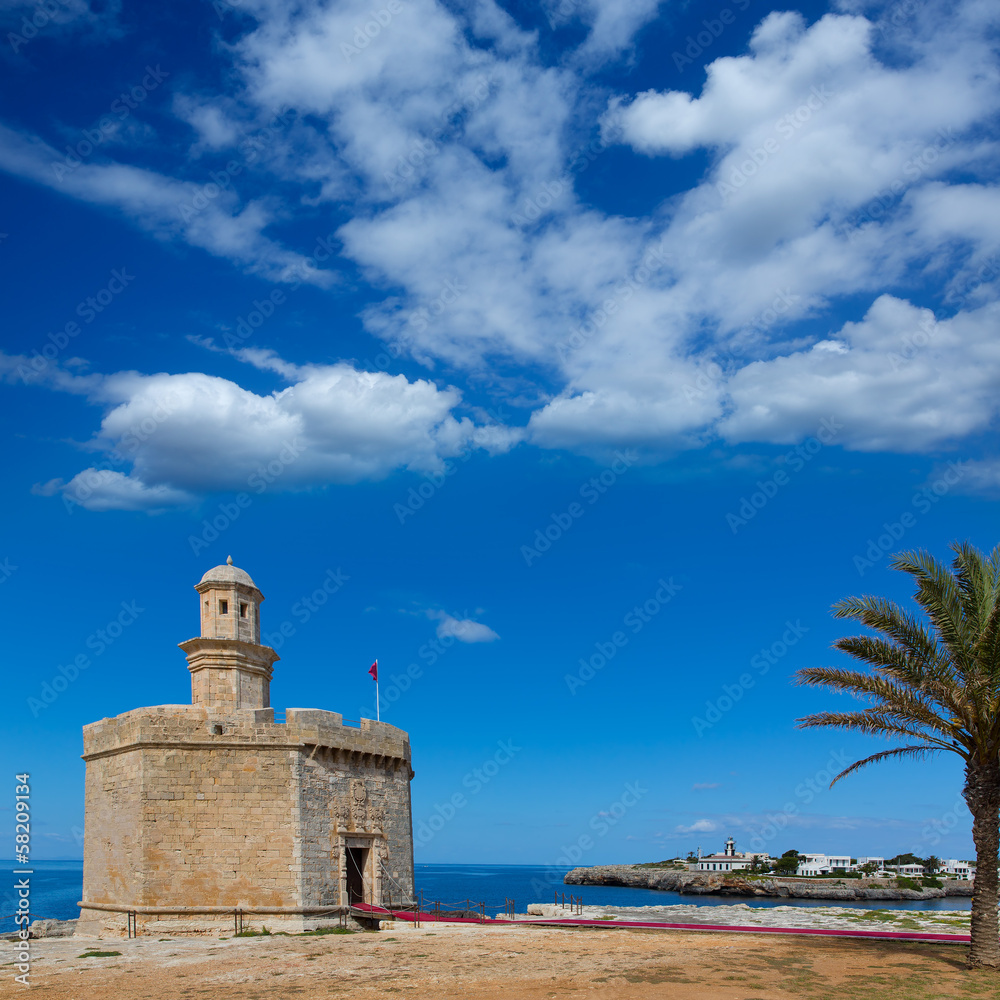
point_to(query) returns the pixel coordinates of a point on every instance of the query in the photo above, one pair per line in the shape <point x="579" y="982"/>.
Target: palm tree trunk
<point x="982" y="794"/>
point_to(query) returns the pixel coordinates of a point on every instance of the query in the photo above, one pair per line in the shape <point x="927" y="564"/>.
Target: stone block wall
<point x="219" y="827"/>
<point x="240" y="620"/>
<point x="228" y="674"/>
<point x="354" y="792"/>
<point x="113" y="858"/>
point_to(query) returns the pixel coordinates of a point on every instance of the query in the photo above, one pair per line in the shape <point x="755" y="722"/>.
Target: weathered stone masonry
<point x="196" y="811"/>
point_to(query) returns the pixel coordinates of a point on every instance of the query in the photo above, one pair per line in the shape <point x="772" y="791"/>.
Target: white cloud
<point x="462" y="629"/>
<point x="165" y="207"/>
<point x="192" y="433"/>
<point x="23" y="21"/>
<point x="613" y="23"/>
<point x="826" y="181"/>
<point x="835" y="177"/>
<point x="211" y="120"/>
<point x="838" y="128"/>
<point x="899" y="380"/>
<point x="824" y="829"/>
<point x="699" y="826"/>
<point x="787" y="66"/>
<point x="979" y="478"/>
<point x="106" y="489"/>
<point x="648" y="412"/>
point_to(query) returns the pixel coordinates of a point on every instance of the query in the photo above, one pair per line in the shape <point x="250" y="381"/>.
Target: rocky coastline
<point x="717" y="884"/>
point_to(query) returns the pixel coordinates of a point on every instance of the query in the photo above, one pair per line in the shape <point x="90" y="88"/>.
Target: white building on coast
<point x="730" y="860"/>
<point x="871" y="859"/>
<point x="960" y="869"/>
<point x="812" y="865"/>
<point x="823" y="864"/>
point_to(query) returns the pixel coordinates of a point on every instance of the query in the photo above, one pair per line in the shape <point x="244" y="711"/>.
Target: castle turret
<point x="196" y="812"/>
<point x="229" y="667"/>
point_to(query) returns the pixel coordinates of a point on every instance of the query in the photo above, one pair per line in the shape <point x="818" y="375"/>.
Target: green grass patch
<point x="882" y="916"/>
<point x="263" y="932"/>
<point x="906" y="883"/>
<point x="99" y="954"/>
<point x="326" y="930"/>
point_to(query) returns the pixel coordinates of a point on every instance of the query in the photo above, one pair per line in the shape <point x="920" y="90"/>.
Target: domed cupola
<point x="229" y="667"/>
<point x="230" y="604"/>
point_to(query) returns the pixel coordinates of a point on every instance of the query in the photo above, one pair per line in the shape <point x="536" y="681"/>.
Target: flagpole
<point x="378" y="710"/>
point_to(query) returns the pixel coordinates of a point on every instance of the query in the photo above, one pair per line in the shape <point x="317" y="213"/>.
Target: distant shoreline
<point x="736" y="884"/>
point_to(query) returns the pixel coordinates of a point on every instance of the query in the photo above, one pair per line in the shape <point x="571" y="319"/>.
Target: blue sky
<point x="570" y="358"/>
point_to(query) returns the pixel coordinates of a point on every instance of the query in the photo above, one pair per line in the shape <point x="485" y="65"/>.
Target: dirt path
<point x="445" y="963"/>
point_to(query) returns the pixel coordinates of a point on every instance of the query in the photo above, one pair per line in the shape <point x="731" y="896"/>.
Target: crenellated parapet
<point x="214" y="728"/>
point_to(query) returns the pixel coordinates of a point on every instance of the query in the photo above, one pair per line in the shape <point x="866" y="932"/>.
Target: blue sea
<point x="534" y="884"/>
<point x="56" y="887"/>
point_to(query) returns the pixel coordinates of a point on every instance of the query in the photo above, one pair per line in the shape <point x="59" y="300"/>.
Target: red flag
<point x="373" y="670"/>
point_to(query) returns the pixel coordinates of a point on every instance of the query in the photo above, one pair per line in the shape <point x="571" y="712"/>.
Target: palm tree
<point x="935" y="686"/>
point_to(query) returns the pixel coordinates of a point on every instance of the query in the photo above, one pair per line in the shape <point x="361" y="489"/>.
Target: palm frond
<point x="988" y="647"/>
<point x="913" y="655"/>
<point x="936" y="681"/>
<point x="916" y="752"/>
<point x="939" y="595"/>
<point x="889" y="618"/>
<point x="984" y="686"/>
<point x="891" y="697"/>
<point x="978" y="580"/>
<point x="933" y="682"/>
<point x="873" y="722"/>
<point x="977" y="583"/>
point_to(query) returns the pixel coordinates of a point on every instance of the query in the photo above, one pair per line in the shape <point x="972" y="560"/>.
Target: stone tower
<point x="204" y="814"/>
<point x="229" y="667"/>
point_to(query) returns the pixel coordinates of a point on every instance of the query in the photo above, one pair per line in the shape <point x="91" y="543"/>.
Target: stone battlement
<point x="205" y="727"/>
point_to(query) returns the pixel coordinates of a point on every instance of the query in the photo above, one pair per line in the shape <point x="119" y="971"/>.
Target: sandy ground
<point x="523" y="963"/>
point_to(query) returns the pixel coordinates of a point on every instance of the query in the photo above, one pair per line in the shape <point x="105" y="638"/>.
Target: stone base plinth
<point x="114" y="922"/>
